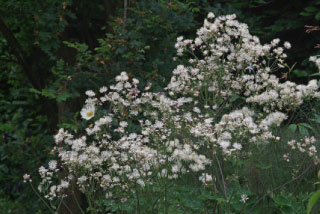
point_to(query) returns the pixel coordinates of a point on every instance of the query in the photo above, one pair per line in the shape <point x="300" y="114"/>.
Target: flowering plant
<point x="220" y="109"/>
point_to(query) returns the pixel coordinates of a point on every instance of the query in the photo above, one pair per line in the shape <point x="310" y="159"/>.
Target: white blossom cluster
<point x="316" y="60"/>
<point x="306" y="145"/>
<point x="136" y="137"/>
<point x="238" y="129"/>
<point x="233" y="62"/>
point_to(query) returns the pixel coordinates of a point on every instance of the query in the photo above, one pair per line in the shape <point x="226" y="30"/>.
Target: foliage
<point x="72" y="46"/>
<point x="314" y="198"/>
<point x="134" y="144"/>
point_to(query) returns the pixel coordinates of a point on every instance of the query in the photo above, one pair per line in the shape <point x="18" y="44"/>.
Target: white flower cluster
<point x="47" y="185"/>
<point x="142" y="136"/>
<point x="316" y="60"/>
<point x="235" y="63"/>
<point x="306" y="145"/>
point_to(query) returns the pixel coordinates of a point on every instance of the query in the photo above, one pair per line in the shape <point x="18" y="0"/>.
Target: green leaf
<point x="33" y="90"/>
<point x="63" y="97"/>
<point x="316" y="118"/>
<point x="303" y="131"/>
<point x="317" y="16"/>
<point x="292" y="127"/>
<point x="300" y="73"/>
<point x="68" y="126"/>
<point x="305" y="14"/>
<point x="307" y="126"/>
<point x="316" y="74"/>
<point x="195" y="10"/>
<point x="312" y="201"/>
<point x="310" y="9"/>
<point x="281" y="200"/>
<point x="49" y="92"/>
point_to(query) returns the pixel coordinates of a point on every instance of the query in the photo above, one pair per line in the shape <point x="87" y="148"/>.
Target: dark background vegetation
<point x="52" y="51"/>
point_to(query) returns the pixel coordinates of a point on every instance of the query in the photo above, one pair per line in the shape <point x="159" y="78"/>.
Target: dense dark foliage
<point x="52" y="51"/>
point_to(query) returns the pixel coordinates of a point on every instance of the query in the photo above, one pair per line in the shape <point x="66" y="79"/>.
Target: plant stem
<point x="138" y="201"/>
<point x="41" y="198"/>
<point x="222" y="177"/>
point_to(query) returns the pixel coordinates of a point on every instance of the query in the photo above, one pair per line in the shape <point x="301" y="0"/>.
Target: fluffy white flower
<point x="103" y="89"/>
<point x="52" y="164"/>
<point x="237" y="146"/>
<point x="287" y="45"/>
<point x="224" y="144"/>
<point x="244" y="198"/>
<point x="211" y="15"/>
<point x="90" y="93"/>
<point x="82" y="179"/>
<point x="122" y="77"/>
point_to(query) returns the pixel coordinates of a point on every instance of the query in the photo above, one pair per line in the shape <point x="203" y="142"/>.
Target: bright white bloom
<point x="103" y="89"/>
<point x="287" y="45"/>
<point x="123" y="124"/>
<point x="224" y="144"/>
<point x="244" y="198"/>
<point x="88" y="111"/>
<point x="210" y="15"/>
<point x="52" y="164"/>
<point x="26" y="178"/>
<point x="90" y="93"/>
<point x="122" y="77"/>
<point x="237" y="146"/>
<point x="82" y="179"/>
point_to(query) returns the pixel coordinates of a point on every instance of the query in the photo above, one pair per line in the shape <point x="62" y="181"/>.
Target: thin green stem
<point x="52" y="211"/>
<point x="138" y="199"/>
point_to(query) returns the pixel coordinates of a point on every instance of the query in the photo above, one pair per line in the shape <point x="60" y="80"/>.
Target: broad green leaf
<point x="292" y="127"/>
<point x="305" y="14"/>
<point x="303" y="131"/>
<point x="281" y="200"/>
<point x="300" y="73"/>
<point x="310" y="9"/>
<point x="306" y="125"/>
<point x="312" y="201"/>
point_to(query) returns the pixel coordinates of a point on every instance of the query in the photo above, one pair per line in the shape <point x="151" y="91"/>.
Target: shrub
<point x="214" y="127"/>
